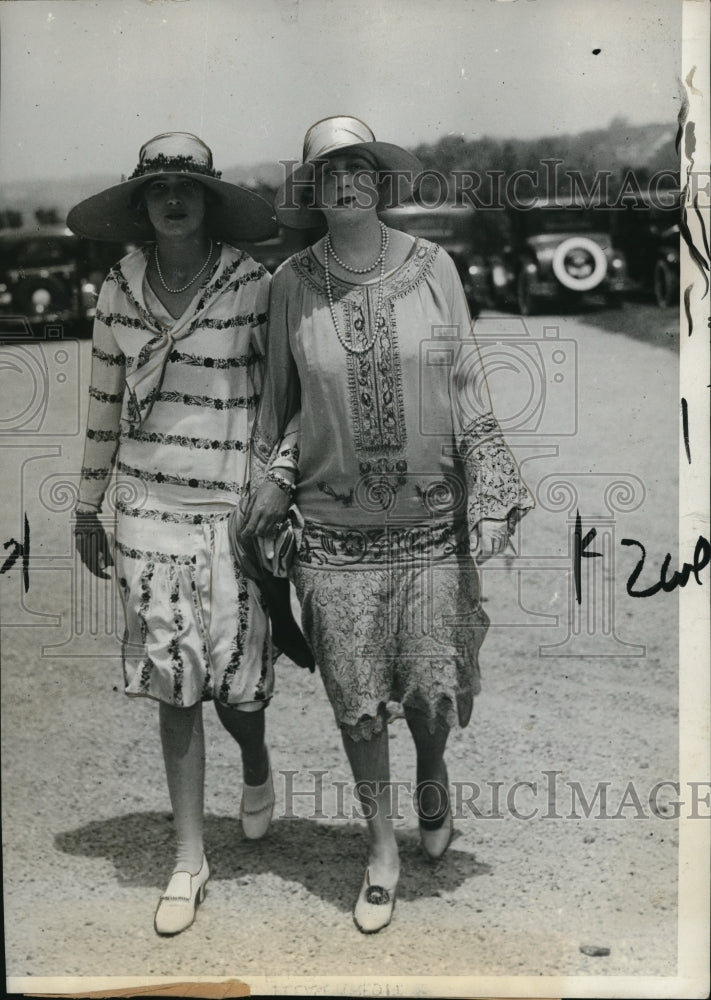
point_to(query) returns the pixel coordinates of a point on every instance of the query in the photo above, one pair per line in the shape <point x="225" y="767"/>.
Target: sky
<point x="83" y="83"/>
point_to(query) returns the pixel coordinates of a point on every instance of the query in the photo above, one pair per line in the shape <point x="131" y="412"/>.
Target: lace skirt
<point x="394" y="619"/>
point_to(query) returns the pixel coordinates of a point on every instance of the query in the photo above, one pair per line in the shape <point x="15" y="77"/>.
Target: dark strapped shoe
<point x="374" y="907"/>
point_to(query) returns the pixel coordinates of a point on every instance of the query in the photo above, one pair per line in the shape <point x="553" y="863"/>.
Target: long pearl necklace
<point x="176" y="291"/>
<point x="384" y="239"/>
<point x="328" y="249"/>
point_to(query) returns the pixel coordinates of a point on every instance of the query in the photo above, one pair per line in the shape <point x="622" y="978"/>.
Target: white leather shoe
<point x="374" y="907"/>
<point x="177" y="906"/>
<point x="257" y="808"/>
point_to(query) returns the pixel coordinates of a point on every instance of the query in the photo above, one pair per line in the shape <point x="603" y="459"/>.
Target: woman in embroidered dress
<point x="176" y="373"/>
<point x="398" y="467"/>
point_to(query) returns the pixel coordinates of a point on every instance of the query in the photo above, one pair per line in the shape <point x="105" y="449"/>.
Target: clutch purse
<point x="257" y="556"/>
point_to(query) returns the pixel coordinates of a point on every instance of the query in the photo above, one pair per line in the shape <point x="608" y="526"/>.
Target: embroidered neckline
<point x="397" y="282"/>
<point x="372" y="281"/>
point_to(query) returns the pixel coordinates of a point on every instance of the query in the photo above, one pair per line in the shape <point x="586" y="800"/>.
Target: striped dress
<point x="171" y="408"/>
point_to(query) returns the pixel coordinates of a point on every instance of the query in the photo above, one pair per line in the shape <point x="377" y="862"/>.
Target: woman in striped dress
<point x="176" y="372"/>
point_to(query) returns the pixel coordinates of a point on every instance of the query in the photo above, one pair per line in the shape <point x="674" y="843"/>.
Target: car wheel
<point x="579" y="264"/>
<point x="525" y="299"/>
<point x="34" y="296"/>
<point x="666" y="285"/>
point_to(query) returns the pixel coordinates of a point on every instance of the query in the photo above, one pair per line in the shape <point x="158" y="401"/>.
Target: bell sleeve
<point x="494" y="487"/>
<point x="106" y="389"/>
<point x="275" y="436"/>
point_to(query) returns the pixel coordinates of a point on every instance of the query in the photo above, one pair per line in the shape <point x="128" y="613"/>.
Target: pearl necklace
<point x="176" y="291"/>
<point x="384" y="240"/>
<point x="328" y="249"/>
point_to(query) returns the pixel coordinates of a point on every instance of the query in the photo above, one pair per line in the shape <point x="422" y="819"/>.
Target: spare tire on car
<point x="579" y="264"/>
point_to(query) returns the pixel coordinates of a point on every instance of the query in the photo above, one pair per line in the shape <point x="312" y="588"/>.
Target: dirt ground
<point x="86" y="820"/>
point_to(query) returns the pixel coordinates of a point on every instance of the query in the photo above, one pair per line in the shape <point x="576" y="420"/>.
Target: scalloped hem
<point x="444" y="712"/>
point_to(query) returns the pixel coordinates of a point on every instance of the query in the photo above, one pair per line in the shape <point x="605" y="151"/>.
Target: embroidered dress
<point x="399" y="457"/>
<point x="171" y="407"/>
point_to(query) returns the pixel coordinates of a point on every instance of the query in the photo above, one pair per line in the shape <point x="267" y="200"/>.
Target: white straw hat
<point x="339" y="134"/>
<point x="239" y="214"/>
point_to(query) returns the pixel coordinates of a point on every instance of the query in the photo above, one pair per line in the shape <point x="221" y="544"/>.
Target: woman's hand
<point x="265" y="510"/>
<point x="92" y="544"/>
<point x="492" y="539"/>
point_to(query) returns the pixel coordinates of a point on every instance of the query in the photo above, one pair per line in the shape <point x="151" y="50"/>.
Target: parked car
<point x="557" y="252"/>
<point x="646" y="230"/>
<point x="462" y="232"/>
<point x="51" y="278"/>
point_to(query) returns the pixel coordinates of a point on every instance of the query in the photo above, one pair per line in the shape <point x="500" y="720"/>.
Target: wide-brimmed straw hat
<point x="340" y="134"/>
<point x="238" y="214"/>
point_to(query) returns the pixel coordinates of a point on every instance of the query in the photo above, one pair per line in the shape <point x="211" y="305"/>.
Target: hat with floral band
<point x="336" y="135"/>
<point x="234" y="214"/>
